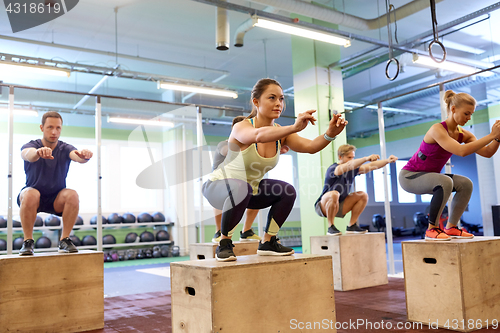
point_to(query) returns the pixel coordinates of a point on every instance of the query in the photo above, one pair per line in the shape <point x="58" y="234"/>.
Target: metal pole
<point x="9" y="175"/>
<point x="199" y="139"/>
<point x="387" y="204"/>
<point x="259" y="221"/>
<point x="99" y="175"/>
<point x="184" y="188"/>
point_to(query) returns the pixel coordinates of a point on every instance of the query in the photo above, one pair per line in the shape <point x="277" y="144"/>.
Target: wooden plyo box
<point x="207" y="250"/>
<point x="359" y="260"/>
<point x="453" y="284"/>
<point x="253" y="294"/>
<point x="52" y="292"/>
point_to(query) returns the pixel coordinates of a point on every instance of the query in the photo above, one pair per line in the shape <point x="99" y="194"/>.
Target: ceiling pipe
<point x="330" y="15"/>
<point x="221" y="29"/>
<point x="111" y="54"/>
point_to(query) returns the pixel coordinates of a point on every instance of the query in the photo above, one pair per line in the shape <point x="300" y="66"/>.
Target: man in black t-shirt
<point x="336" y="199"/>
<point x="46" y="164"/>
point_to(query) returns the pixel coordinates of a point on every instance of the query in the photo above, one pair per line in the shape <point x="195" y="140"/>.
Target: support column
<point x="485" y="166"/>
<point x="315" y="87"/>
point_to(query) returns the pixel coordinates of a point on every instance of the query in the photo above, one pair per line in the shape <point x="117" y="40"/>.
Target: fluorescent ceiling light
<point x="447" y="65"/>
<point x="198" y="89"/>
<point x="299" y="31"/>
<point x="14" y="69"/>
<point x="462" y="47"/>
<point x="140" y="121"/>
<point x="21" y="112"/>
<point x="351" y="105"/>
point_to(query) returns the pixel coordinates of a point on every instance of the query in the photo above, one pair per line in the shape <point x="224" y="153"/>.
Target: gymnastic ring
<point x="442" y="48"/>
<point x="387" y="69"/>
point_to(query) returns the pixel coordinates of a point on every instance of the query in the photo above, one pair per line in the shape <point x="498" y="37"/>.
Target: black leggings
<point x="233" y="196"/>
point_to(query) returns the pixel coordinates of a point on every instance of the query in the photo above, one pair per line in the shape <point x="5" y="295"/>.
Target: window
<point x="134" y="160"/>
<point x="403" y="196"/>
<point x="426" y="197"/>
<point x="360" y="183"/>
<point x="83" y="179"/>
<point x="378" y="184"/>
<point x="284" y="170"/>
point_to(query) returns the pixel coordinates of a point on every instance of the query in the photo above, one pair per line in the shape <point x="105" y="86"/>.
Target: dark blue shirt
<point x="342" y="183"/>
<point x="48" y="176"/>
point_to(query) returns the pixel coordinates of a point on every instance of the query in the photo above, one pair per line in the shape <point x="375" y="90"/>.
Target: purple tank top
<point x="431" y="157"/>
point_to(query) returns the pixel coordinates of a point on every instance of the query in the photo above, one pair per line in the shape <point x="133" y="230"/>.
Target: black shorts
<point x="46" y="204"/>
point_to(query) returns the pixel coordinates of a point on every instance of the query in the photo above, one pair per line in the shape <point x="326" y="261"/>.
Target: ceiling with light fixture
<point x="155" y="40"/>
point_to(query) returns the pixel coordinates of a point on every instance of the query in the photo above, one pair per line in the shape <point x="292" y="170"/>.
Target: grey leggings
<point x="441" y="186"/>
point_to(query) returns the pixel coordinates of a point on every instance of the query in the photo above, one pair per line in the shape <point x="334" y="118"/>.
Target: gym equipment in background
<point x="162" y="235"/>
<point x="128" y="218"/>
<point x="147" y="236"/>
<point x="43" y="243"/>
<point x="108" y="239"/>
<point x="115" y="218"/>
<point x="144" y="218"/>
<point x="75" y="240"/>
<point x="18" y="243"/>
<point x="89" y="240"/>
<point x="52" y="221"/>
<point x="131" y="237"/>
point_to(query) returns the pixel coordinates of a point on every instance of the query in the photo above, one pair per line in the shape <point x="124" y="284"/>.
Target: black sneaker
<point x="67" y="246"/>
<point x="216" y="238"/>
<point x="224" y="252"/>
<point x="273" y="248"/>
<point x="248" y="236"/>
<point x="333" y="231"/>
<point x="27" y="248"/>
<point x="355" y="229"/>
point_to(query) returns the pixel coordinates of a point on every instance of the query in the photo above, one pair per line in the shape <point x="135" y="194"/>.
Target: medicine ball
<point x="89" y="240"/>
<point x="3" y="245"/>
<point x="16" y="224"/>
<point x="131" y="237"/>
<point x="108" y="239"/>
<point x="3" y="222"/>
<point x="158" y="217"/>
<point x="165" y="250"/>
<point x="52" y="221"/>
<point x="38" y="221"/>
<point x="75" y="240"/>
<point x="147" y="236"/>
<point x="175" y="251"/>
<point x="128" y="218"/>
<point x="79" y="220"/>
<point x="144" y="218"/>
<point x="115" y="218"/>
<point x="162" y="235"/>
<point x="18" y="243"/>
<point x="93" y="220"/>
<point x="43" y="243"/>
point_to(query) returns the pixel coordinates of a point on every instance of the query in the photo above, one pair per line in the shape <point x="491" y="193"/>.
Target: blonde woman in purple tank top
<point x="421" y="175"/>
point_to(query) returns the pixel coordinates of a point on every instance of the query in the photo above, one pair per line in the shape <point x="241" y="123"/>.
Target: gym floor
<point x="137" y="298"/>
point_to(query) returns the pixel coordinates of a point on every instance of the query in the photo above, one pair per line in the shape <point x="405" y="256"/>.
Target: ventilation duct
<point x="222" y="29"/>
<point x="346" y="20"/>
